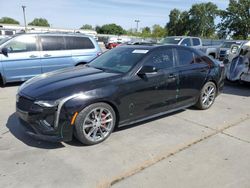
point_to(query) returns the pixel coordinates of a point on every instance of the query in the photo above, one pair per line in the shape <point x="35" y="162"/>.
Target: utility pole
<point x="24" y="17"/>
<point x="137" y="25"/>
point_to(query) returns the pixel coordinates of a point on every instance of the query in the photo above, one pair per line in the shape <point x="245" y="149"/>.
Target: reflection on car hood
<point x="61" y="83"/>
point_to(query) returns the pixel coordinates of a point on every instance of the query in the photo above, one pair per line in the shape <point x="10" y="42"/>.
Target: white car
<point x="239" y="68"/>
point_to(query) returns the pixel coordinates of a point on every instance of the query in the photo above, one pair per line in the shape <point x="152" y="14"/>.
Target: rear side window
<point x="9" y="33"/>
<point x="161" y="59"/>
<point x="196" y="42"/>
<point x="185" y="57"/>
<point x="23" y="43"/>
<point x="78" y="43"/>
<point x="52" y="43"/>
<point x="186" y="42"/>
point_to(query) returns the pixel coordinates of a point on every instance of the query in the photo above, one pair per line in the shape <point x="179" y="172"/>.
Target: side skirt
<point x="156" y="115"/>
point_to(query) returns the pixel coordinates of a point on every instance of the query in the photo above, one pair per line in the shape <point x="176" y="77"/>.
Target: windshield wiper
<point x="107" y="70"/>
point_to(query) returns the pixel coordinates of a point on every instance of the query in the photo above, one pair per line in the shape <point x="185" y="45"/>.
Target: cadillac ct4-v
<point x="122" y="86"/>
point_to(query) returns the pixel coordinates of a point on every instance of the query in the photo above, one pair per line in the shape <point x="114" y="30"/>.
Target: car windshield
<point x="119" y="59"/>
<point x="171" y="40"/>
<point x="227" y="44"/>
<point x="3" y="40"/>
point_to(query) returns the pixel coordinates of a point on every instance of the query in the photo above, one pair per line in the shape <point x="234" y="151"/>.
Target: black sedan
<point x="123" y="86"/>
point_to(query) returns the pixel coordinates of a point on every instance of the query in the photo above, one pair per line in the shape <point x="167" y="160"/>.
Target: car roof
<point x="151" y="47"/>
<point x="54" y="34"/>
<point x="181" y="37"/>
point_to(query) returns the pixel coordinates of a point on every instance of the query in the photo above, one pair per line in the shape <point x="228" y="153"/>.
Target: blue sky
<point x="74" y="13"/>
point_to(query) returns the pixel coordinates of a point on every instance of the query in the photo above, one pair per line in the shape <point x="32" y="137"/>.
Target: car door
<point x="23" y="59"/>
<point x="155" y="92"/>
<point x="54" y="54"/>
<point x="82" y="49"/>
<point x="186" y="42"/>
<point x="192" y="70"/>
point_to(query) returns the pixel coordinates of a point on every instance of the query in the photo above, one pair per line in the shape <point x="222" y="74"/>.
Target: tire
<point x="95" y="123"/>
<point x="207" y="96"/>
<point x="80" y="64"/>
<point x="1" y="81"/>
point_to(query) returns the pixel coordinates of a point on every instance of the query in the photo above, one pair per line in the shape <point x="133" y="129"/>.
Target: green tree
<point x="8" y="20"/>
<point x="201" y="19"/>
<point x="178" y="23"/>
<point x="111" y="29"/>
<point x="146" y="32"/>
<point x="87" y="26"/>
<point x="158" y="31"/>
<point x="198" y="21"/>
<point x="40" y="22"/>
<point x="235" y="20"/>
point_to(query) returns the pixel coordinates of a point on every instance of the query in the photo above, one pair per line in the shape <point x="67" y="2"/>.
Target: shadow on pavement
<point x="237" y="89"/>
<point x="76" y="143"/>
<point x="18" y="131"/>
<point x="14" y="84"/>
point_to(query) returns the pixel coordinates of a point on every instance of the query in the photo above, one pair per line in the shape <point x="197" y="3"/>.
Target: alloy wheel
<point x="208" y="95"/>
<point x="98" y="124"/>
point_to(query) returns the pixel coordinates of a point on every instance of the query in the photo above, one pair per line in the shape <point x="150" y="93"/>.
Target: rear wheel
<point x="1" y="81"/>
<point x="207" y="96"/>
<point x="95" y="123"/>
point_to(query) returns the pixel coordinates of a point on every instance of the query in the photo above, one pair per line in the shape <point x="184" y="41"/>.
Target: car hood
<point x="65" y="82"/>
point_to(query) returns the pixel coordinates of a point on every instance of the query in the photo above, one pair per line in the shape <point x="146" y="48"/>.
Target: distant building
<point x="36" y="29"/>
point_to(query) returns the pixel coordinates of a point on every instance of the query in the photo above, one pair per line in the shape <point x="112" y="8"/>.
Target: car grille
<point x="24" y="103"/>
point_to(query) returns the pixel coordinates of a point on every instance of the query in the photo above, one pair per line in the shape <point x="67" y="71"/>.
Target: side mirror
<point x="4" y="51"/>
<point x="147" y="69"/>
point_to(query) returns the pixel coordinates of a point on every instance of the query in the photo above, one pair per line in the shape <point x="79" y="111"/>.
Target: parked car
<point x="116" y="41"/>
<point x="224" y="49"/>
<point x="26" y="55"/>
<point x="193" y="42"/>
<point x="234" y="51"/>
<point x="122" y="86"/>
<point x="239" y="68"/>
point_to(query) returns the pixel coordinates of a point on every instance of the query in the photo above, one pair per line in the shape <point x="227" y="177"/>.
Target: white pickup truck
<point x="193" y="42"/>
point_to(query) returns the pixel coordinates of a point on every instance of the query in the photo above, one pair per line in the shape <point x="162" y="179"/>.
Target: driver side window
<point x="161" y="59"/>
<point x="22" y="44"/>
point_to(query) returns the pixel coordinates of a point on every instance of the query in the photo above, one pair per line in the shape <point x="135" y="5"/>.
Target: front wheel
<point x="95" y="123"/>
<point x="207" y="96"/>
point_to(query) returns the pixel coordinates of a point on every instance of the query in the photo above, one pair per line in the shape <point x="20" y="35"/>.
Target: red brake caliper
<point x="103" y="120"/>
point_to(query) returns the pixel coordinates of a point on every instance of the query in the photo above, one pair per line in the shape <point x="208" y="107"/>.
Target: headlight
<point x="47" y="104"/>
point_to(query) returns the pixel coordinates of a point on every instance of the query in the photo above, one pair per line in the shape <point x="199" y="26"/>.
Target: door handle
<point x="46" y="55"/>
<point x="33" y="56"/>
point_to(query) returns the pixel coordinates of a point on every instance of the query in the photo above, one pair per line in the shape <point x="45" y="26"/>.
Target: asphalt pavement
<point x="189" y="148"/>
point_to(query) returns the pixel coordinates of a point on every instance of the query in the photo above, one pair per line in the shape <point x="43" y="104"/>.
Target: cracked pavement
<point x="189" y="148"/>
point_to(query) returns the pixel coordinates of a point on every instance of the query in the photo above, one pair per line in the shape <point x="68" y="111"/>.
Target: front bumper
<point x="33" y="117"/>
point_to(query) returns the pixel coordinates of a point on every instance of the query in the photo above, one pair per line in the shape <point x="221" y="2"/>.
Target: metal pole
<point x="137" y="25"/>
<point x="24" y="17"/>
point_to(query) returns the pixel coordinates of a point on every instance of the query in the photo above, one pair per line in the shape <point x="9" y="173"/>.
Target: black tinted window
<point x="186" y="42"/>
<point x="23" y="43"/>
<point x="9" y="33"/>
<point x="51" y="43"/>
<point x="161" y="59"/>
<point x="75" y="43"/>
<point x="196" y="42"/>
<point x="185" y="57"/>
